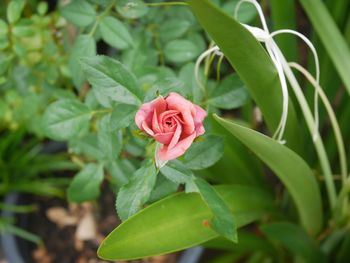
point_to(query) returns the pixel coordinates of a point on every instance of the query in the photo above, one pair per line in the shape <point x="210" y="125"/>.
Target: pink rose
<point x="172" y="121"/>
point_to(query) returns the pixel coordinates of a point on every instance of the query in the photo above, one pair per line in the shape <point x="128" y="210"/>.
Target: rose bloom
<point x="172" y="121"/>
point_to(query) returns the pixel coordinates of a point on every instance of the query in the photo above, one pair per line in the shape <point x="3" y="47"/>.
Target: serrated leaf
<point x="205" y="153"/>
<point x="115" y="33"/>
<point x="180" y="51"/>
<point x="84" y="46"/>
<point x="229" y="94"/>
<point x="120" y="171"/>
<point x="122" y="116"/>
<point x="186" y="75"/>
<point x="79" y="12"/>
<point x="111" y="80"/>
<point x="132" y="8"/>
<point x="110" y="142"/>
<point x="86" y="145"/>
<point x="172" y="29"/>
<point x="86" y="184"/>
<point x="223" y="221"/>
<point x="65" y="119"/>
<point x="136" y="193"/>
<point x="162" y="189"/>
<point x="176" y="172"/>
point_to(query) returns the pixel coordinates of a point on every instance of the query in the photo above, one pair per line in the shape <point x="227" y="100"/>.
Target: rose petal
<point x="167" y="154"/>
<point x="198" y="120"/>
<point x="167" y="114"/>
<point x="155" y="124"/>
<point x="188" y="111"/>
<point x="176" y="136"/>
<point x="145" y="113"/>
<point x="164" y="138"/>
<point x="146" y="128"/>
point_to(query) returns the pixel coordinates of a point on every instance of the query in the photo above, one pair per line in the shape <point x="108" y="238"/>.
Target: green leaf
<point x="292" y="170"/>
<point x="136" y="193"/>
<point x="24" y="28"/>
<point x="14" y="10"/>
<point x="84" y="46"/>
<point x="110" y="142"/>
<point x="176" y="223"/>
<point x="79" y="12"/>
<point x="230" y="94"/>
<point x="176" y="172"/>
<point x="246" y="11"/>
<point x="5" y="62"/>
<point x="86" y="184"/>
<point x="3" y="28"/>
<point x="42" y="8"/>
<point x="204" y="153"/>
<point x="190" y="85"/>
<point x="222" y="222"/>
<point x="288" y="233"/>
<point x="122" y="116"/>
<point x="112" y="80"/>
<point x="115" y="33"/>
<point x="86" y="145"/>
<point x="132" y="8"/>
<point x="330" y="36"/>
<point x="252" y="64"/>
<point x="65" y="119"/>
<point x="172" y="29"/>
<point x="120" y="171"/>
<point x="180" y="51"/>
<point x="162" y="189"/>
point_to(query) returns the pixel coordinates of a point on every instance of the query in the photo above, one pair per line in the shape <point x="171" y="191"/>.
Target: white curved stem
<point x="199" y="60"/>
<point x="258" y="8"/>
<point x="317" y="67"/>
<point x="332" y="117"/>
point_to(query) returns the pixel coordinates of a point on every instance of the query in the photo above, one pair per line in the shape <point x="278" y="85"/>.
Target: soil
<point x="72" y="233"/>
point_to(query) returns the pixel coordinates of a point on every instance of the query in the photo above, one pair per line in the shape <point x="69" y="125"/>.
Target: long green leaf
<point x="283" y="15"/>
<point x="252" y="64"/>
<point x="330" y="36"/>
<point x="176" y="223"/>
<point x="294" y="173"/>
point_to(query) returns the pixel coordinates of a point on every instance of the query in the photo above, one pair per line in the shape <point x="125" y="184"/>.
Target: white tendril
<point x="263" y="35"/>
<point x="208" y="52"/>
<point x="317" y="67"/>
<point x="258" y="8"/>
